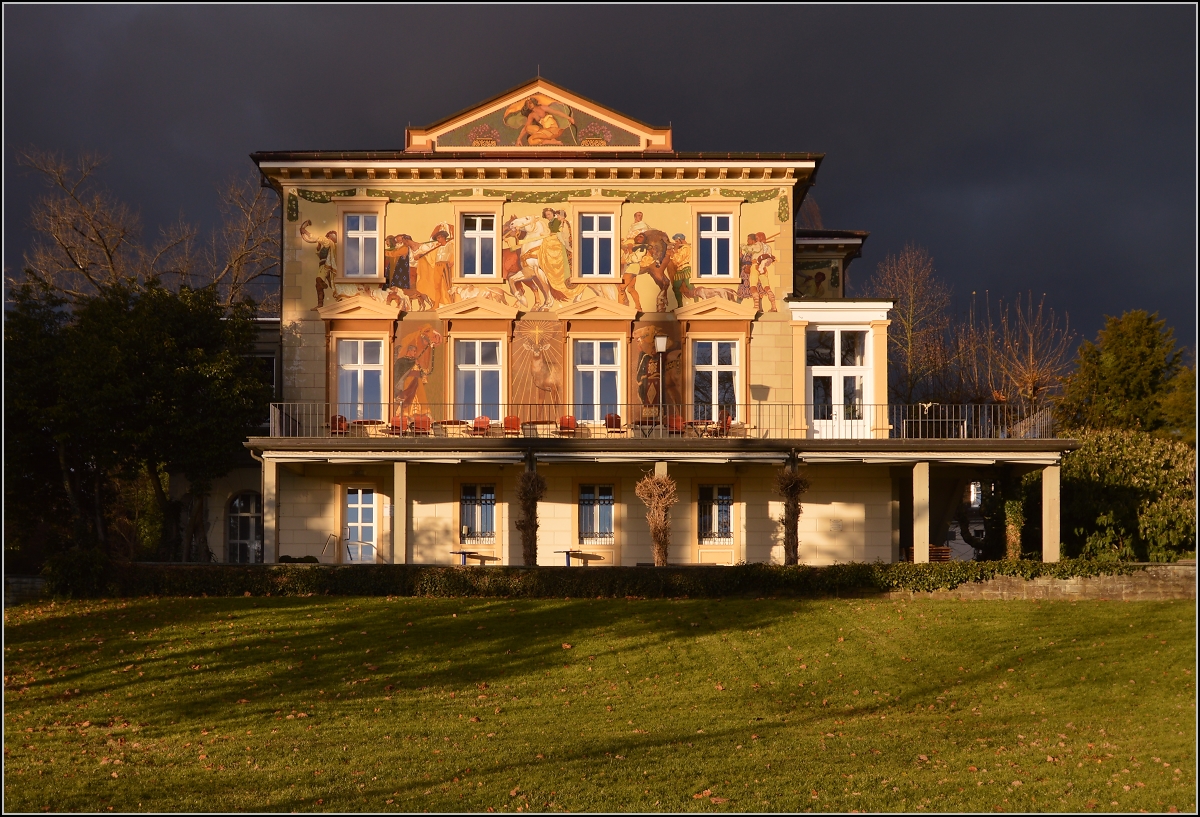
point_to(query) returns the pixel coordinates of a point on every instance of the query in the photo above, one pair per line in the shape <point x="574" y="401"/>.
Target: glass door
<point x="361" y="527"/>
<point x="837" y="383"/>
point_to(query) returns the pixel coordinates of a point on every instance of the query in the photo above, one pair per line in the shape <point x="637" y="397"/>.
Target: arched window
<point x="245" y="529"/>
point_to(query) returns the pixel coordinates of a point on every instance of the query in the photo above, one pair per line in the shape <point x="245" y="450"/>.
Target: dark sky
<point x="1026" y="148"/>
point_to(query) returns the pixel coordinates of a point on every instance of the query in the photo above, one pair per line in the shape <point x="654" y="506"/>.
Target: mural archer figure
<point x="756" y="258"/>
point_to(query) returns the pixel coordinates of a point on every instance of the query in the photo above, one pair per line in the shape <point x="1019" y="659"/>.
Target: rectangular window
<point x="596" y="515"/>
<point x="478" y="246"/>
<point x="596" y="241"/>
<point x="361" y="235"/>
<point x="477" y="373"/>
<point x="597" y="368"/>
<point x="715" y="380"/>
<point x="477" y="514"/>
<point x="837" y="366"/>
<point x="715" y="252"/>
<point x="715" y="514"/>
<point x="360" y="379"/>
<point x="361" y="526"/>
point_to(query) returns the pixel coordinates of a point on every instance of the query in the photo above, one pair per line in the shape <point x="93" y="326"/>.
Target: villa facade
<point x="542" y="282"/>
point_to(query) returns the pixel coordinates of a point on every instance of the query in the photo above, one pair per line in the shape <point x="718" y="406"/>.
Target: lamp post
<point x="660" y="344"/>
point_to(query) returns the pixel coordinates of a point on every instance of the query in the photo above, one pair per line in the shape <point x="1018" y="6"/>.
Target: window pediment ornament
<point x="480" y="306"/>
<point x="717" y="309"/>
<point x="359" y="306"/>
<point x="597" y="308"/>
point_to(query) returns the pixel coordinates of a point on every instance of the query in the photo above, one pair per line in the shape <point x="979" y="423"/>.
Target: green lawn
<point x="480" y="704"/>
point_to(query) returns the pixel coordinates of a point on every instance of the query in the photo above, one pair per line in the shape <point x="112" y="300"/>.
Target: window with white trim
<point x="596" y="515"/>
<point x="478" y="246"/>
<point x="837" y="360"/>
<point x="714" y="250"/>
<point x="477" y="514"/>
<point x="360" y="379"/>
<point x="597" y="379"/>
<point x="477" y="376"/>
<point x="715" y="380"/>
<point x="245" y="539"/>
<point x="361" y="235"/>
<point x="715" y="514"/>
<point x="597" y="237"/>
<point x="361" y="528"/>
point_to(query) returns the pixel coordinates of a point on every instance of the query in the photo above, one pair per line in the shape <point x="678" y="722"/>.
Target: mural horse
<point x="519" y="265"/>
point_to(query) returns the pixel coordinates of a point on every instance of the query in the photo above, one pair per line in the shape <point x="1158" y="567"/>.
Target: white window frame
<point x="355" y="245"/>
<point x="716" y="234"/>
<point x="360" y="206"/>
<point x="254" y="544"/>
<point x="715" y="368"/>
<point x="355" y="550"/>
<point x="478" y="537"/>
<point x="478" y="368"/>
<point x="842" y="422"/>
<point x="593" y="400"/>
<point x="597" y="234"/>
<point x="477" y="236"/>
<point x="713" y="538"/>
<point x="596" y="537"/>
<point x="359" y="409"/>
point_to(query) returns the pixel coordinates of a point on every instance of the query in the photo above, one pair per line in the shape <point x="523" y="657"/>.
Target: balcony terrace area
<point x="687" y="427"/>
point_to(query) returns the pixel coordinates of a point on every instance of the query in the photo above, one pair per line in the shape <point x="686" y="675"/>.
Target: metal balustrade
<point x="754" y="420"/>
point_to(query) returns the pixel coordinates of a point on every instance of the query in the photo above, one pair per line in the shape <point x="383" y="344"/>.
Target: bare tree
<point x="84" y="239"/>
<point x="791" y="485"/>
<point x="659" y="495"/>
<point x="1035" y="349"/>
<point x="919" y="356"/>
<point x="243" y="254"/>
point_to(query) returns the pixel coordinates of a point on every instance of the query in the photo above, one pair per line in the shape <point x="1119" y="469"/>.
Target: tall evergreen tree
<point x="1123" y="378"/>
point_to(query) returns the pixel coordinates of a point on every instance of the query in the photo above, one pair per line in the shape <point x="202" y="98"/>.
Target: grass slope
<point x="751" y="705"/>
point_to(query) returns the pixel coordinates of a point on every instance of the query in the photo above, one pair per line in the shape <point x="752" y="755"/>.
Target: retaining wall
<point x="1158" y="582"/>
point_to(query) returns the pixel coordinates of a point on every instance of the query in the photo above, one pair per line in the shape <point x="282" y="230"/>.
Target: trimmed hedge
<point x="147" y="579"/>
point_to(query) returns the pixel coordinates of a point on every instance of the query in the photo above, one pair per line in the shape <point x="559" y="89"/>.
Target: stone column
<point x="879" y="386"/>
<point x="1051" y="540"/>
<point x="270" y="511"/>
<point x="921" y="512"/>
<point x="399" y="513"/>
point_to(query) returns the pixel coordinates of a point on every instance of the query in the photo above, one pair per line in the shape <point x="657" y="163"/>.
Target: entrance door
<point x="361" y="526"/>
<point x="838" y="380"/>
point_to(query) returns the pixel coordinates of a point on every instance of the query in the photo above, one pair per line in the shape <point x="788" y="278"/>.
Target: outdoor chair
<point x="567" y="426"/>
<point x="338" y="425"/>
<point x="674" y="425"/>
<point x="480" y="427"/>
<point x="613" y="426"/>
<point x="395" y="427"/>
<point x="420" y="425"/>
<point x="512" y="426"/>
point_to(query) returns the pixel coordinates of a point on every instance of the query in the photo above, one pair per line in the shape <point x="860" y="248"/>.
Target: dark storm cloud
<point x="1050" y="149"/>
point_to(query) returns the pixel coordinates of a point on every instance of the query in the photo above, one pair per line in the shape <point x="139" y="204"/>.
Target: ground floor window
<point x="596" y="515"/>
<point x="477" y="514"/>
<point x="715" y="515"/>
<point x="361" y="526"/>
<point x="245" y="526"/>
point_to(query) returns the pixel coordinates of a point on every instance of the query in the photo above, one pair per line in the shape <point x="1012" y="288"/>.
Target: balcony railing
<point x="760" y="421"/>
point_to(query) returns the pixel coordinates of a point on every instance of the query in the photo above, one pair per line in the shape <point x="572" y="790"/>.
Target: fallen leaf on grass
<point x="702" y="795"/>
<point x="566" y="646"/>
<point x="720" y="687"/>
<point x="719" y="799"/>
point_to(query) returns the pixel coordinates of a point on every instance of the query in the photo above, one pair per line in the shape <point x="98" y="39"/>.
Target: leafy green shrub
<point x="78" y="572"/>
<point x="1129" y="495"/>
<point x="442" y="581"/>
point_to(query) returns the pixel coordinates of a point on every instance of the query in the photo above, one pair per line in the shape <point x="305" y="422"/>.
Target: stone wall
<point x="1155" y="583"/>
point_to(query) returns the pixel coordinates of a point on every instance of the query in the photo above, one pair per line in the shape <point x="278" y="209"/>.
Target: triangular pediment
<point x="596" y="308"/>
<point x="538" y="116"/>
<point x="717" y="309"/>
<point x="478" y="307"/>
<point x="359" y="305"/>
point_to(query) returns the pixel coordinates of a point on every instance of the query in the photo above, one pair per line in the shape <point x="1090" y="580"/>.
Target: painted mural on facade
<point x="418" y="388"/>
<point x="536" y="386"/>
<point x="537" y="270"/>
<point x="644" y="368"/>
<point x="538" y="120"/>
<point x="819" y="278"/>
